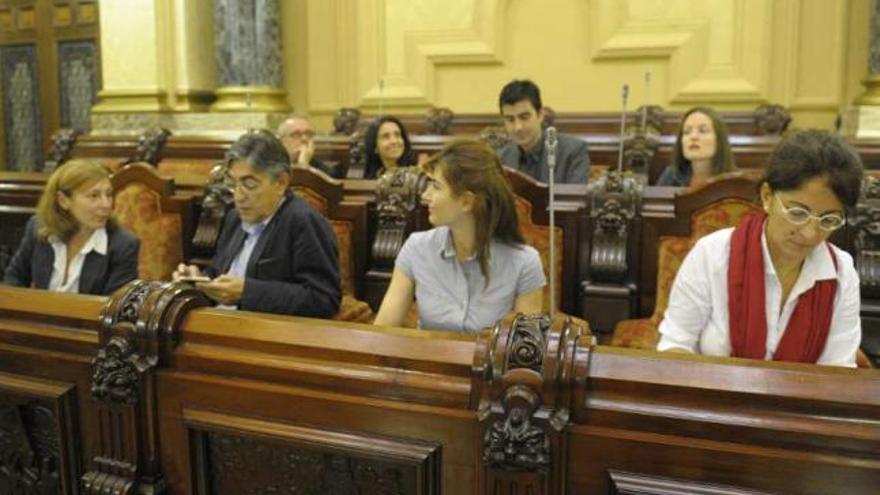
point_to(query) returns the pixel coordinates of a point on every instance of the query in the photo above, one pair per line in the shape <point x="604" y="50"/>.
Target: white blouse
<point x="697" y="316"/>
<point x="97" y="242"/>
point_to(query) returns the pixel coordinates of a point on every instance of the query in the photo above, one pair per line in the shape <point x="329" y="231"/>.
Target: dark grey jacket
<point x="572" y="160"/>
<point x="101" y="274"/>
<point x="294" y="267"/>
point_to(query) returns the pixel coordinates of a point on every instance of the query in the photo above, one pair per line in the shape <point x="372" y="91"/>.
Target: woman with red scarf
<point x="773" y="287"/>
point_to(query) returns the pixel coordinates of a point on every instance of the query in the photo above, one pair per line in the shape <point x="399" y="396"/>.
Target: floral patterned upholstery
<point x="351" y="309"/>
<point x="139" y="210"/>
<point x="538" y="236"/>
<point x="671" y="251"/>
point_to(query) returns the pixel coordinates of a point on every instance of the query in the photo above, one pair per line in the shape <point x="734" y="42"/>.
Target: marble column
<point x="872" y="82"/>
<point x="247" y="40"/>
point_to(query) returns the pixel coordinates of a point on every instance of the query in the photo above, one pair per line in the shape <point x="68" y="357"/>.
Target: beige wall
<point x="809" y="55"/>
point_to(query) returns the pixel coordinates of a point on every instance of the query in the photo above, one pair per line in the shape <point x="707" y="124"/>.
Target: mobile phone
<point x="194" y="278"/>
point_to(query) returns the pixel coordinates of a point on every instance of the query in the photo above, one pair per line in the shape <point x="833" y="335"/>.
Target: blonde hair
<point x="52" y="220"/>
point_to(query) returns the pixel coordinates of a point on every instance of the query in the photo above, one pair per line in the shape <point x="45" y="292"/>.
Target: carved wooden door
<point x="49" y="75"/>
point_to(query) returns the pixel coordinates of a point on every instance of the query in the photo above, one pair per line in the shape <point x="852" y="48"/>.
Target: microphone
<point x="551" y="142"/>
<point x="647" y="102"/>
<point x="624" y="97"/>
<point x="381" y="98"/>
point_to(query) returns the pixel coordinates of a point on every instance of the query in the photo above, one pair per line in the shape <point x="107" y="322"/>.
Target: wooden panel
<point x="241" y="455"/>
<point x="39" y="436"/>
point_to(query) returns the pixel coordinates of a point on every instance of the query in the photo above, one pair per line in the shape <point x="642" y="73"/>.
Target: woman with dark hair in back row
<point x="774" y="287"/>
<point x="702" y="150"/>
<point x="387" y="147"/>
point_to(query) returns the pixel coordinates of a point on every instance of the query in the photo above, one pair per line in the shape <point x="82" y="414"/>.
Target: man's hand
<point x="224" y="289"/>
<point x="306" y="153"/>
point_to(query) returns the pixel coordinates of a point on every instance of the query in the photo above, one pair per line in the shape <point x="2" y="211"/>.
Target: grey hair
<point x="262" y="151"/>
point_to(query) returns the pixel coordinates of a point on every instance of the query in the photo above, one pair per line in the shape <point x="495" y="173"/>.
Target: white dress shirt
<point x="697" y="316"/>
<point x="58" y="282"/>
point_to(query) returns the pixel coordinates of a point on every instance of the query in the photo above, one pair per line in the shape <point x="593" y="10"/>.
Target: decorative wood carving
<point x="650" y="119"/>
<point x="149" y="147"/>
<point x="772" y="119"/>
<point x="866" y="222"/>
<point x="38" y="452"/>
<point x="137" y="334"/>
<point x="494" y="136"/>
<point x="345" y="120"/>
<point x="527" y="371"/>
<point x="638" y="153"/>
<point x="216" y="202"/>
<point x="253" y="456"/>
<point x="29" y="450"/>
<point x="63" y="141"/>
<point x="613" y="202"/>
<point x="439" y="120"/>
<point x="397" y="195"/>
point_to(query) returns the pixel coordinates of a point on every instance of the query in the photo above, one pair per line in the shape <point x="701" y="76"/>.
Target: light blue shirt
<point x="238" y="267"/>
<point x="452" y="294"/>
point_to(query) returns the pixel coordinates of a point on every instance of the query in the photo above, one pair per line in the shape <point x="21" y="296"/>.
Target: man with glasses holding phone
<point x="773" y="287"/>
<point x="298" y="137"/>
<point x="275" y="253"/>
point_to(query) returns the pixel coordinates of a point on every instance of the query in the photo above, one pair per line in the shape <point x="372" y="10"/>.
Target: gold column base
<point x="250" y="99"/>
<point x="124" y="100"/>
<point x="871" y="96"/>
<point x="193" y="100"/>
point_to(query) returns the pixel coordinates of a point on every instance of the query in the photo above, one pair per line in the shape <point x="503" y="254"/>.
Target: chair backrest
<point x="532" y="207"/>
<point x="146" y="206"/>
<point x="347" y="218"/>
<point x="717" y="205"/>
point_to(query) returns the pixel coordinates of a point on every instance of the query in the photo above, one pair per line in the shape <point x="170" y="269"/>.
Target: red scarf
<point x="804" y="337"/>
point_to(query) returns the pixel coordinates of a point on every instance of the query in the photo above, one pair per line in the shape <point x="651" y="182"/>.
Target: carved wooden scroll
<point x="772" y="120"/>
<point x="150" y="145"/>
<point x="137" y="335"/>
<point x="439" y="120"/>
<point x="63" y="141"/>
<point x="638" y="153"/>
<point x="866" y="221"/>
<point x="397" y="195"/>
<point x="217" y="200"/>
<point x="494" y="136"/>
<point x="345" y="121"/>
<point x="613" y="203"/>
<point x="529" y="374"/>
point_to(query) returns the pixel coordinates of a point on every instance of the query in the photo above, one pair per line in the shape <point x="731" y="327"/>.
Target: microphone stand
<point x="625" y="96"/>
<point x="551" y="142"/>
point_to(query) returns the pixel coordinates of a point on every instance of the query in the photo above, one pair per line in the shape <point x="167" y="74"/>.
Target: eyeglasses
<point x="800" y="216"/>
<point x="246" y="186"/>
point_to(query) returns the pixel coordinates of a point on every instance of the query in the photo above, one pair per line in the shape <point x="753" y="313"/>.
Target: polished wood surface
<point x="238" y="402"/>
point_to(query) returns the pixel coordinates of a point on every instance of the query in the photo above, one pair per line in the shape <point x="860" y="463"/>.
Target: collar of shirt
<point x="97" y="242"/>
<point x="447" y="250"/>
<point x="536" y="155"/>
<point x="818" y="265"/>
<point x="255" y="229"/>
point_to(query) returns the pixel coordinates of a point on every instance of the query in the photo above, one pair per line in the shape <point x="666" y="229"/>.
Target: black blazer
<point x="101" y="274"/>
<point x="294" y="267"/>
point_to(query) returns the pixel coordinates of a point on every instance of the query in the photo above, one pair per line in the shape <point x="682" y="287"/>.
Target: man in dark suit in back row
<point x="276" y="254"/>
<point x="520" y="106"/>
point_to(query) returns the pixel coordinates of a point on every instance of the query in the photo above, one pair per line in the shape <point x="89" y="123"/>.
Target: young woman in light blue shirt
<point x="474" y="266"/>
